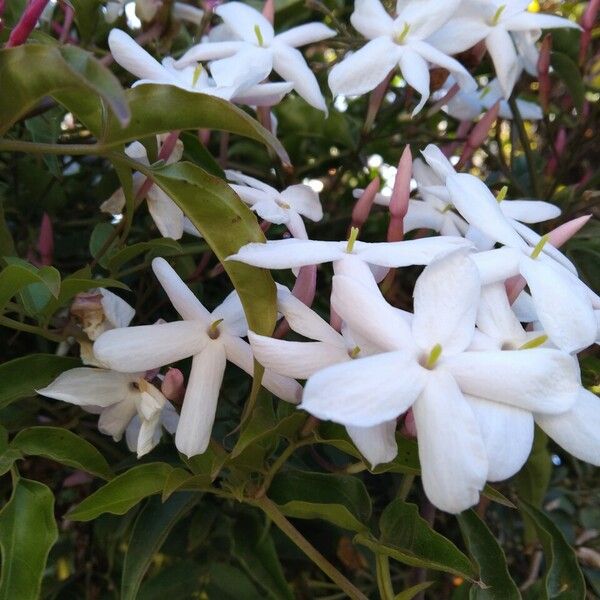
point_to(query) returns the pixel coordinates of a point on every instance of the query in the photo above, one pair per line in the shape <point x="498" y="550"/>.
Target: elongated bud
<point x="478" y="135"/>
<point x="268" y="11"/>
<point x="173" y="385"/>
<point x="444" y="100"/>
<point x="462" y="131"/>
<point x="400" y="195"/>
<point x="588" y="21"/>
<point x="560" y="144"/>
<point x="543" y="67"/>
<point x="46" y="241"/>
<point x="363" y="206"/>
<point x="375" y="101"/>
<point x="26" y="23"/>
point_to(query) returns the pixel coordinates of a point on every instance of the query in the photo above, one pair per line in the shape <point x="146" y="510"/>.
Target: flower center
<point x="354" y="352"/>
<point x="282" y="204"/>
<point x="352" y="239"/>
<point x="401" y="36"/>
<point x="433" y="357"/>
<point x="213" y="330"/>
<point x="502" y="194"/>
<point x="259" y="36"/>
<point x="196" y="75"/>
<point x="497" y="15"/>
<point x="484" y="92"/>
<point x="540" y="246"/>
<point x="534" y="343"/>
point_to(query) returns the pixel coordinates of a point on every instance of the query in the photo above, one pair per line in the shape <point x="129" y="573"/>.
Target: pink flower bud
<point x="268" y="11"/>
<point x="400" y="195"/>
<point x="173" y="385"/>
<point x="560" y="144"/>
<point x="46" y="241"/>
<point x="26" y="23"/>
<point x="478" y="135"/>
<point x="363" y="206"/>
<point x="588" y="20"/>
<point x="375" y="101"/>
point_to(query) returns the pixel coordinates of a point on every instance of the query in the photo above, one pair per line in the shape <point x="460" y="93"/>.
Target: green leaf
<point x="17" y="276"/>
<point x="63" y="446"/>
<point x="339" y="499"/>
<point x="254" y="548"/>
<point x="496" y="583"/>
<point x="408" y="538"/>
<point x="229" y="583"/>
<point x="187" y="110"/>
<point x="563" y="579"/>
<point x="158" y="247"/>
<point x="195" y="151"/>
<point x="568" y="71"/>
<point x="226" y="224"/>
<point x="27" y="532"/>
<point x="411" y="592"/>
<point x="174" y="581"/>
<point x="22" y="376"/>
<point x="101" y="235"/>
<point x="8" y="459"/>
<point x="122" y="492"/>
<point x="33" y="71"/>
<point x="151" y="528"/>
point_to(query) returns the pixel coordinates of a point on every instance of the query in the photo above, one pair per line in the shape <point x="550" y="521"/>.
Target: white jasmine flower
<point x="399" y="42"/>
<point x="187" y="12"/>
<point x="132" y="57"/>
<point x="255" y="51"/>
<point x="124" y="401"/>
<point x="426" y="366"/>
<point x="494" y="21"/>
<point x="286" y="207"/>
<point x="210" y="338"/>
<point x="300" y="360"/>
<point x="167" y="216"/>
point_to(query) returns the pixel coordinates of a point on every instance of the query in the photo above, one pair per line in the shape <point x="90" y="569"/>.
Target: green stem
<point x="63" y="149"/>
<point x="518" y="120"/>
<point x="271" y="510"/>
<point x="405" y="486"/>
<point x="384" y="579"/>
<point x="13" y="324"/>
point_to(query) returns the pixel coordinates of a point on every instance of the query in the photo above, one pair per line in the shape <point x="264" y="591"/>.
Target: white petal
<point x="497" y="265"/>
<point x="135" y="349"/>
<point x="264" y="94"/>
<point x="459" y="34"/>
<point x="479" y="239"/>
<point x="529" y="211"/>
<point x="433" y="55"/>
<point x="410" y="252"/>
<point x="291" y="66"/>
<point x="245" y="68"/>
<point x="446" y="297"/>
<point x="577" y="430"/>
<point x="85" y="386"/>
<point x="208" y="51"/>
<point x="422" y="215"/>
<point x="424" y="16"/>
<point x="165" y="213"/>
<point x="477" y="205"/>
<point x="367" y="313"/>
<point x="507" y="433"/>
<point x="114" y="420"/>
<point x="564" y="310"/>
<point x="298" y="360"/>
<point x="524" y="308"/>
<point x="506" y="62"/>
<point x="377" y="444"/>
<point x="232" y="313"/>
<point x="169" y="418"/>
<point x="239" y="177"/>
<point x="495" y="317"/>
<point x="371" y="19"/>
<point x="302" y="35"/>
<point x="451" y="451"/>
<point x="148" y="436"/>
<point x="540" y="379"/>
<point x="116" y="310"/>
<point x="242" y="19"/>
<point x="133" y="58"/>
<point x="304" y="200"/>
<point x="365" y="69"/>
<point x="304" y="320"/>
<point x="366" y="391"/>
<point x="416" y="72"/>
<point x="240" y="354"/>
<point x="441" y="166"/>
<point x="528" y="21"/>
<point x="288" y="253"/>
<point x="200" y="402"/>
<point x="182" y="298"/>
<point x="530" y="111"/>
<point x="271" y="211"/>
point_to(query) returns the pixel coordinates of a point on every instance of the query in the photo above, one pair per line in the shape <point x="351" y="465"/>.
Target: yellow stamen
<point x="400" y="37"/>
<point x="434" y="356"/>
<point x="502" y="194"/>
<point x="353" y="236"/>
<point x="534" y="343"/>
<point x="213" y="330"/>
<point x="484" y="92"/>
<point x="259" y="35"/>
<point x="498" y="14"/>
<point x="196" y="76"/>
<point x="540" y="246"/>
<point x="354" y="352"/>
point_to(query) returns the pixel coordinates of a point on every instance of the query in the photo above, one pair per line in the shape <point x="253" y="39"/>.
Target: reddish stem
<point x="67" y="22"/>
<point x="27" y="23"/>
